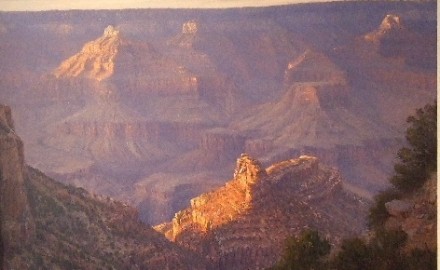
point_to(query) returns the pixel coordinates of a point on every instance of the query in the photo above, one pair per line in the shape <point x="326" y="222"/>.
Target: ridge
<point x="243" y="224"/>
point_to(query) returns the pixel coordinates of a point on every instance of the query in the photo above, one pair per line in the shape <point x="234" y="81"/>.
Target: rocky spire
<point x="248" y="170"/>
<point x="190" y="27"/>
<point x="391" y="22"/>
<point x="111" y="31"/>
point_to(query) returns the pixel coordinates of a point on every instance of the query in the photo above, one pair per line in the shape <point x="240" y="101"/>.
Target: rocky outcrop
<point x="227" y="202"/>
<point x="190" y="27"/>
<point x="243" y="224"/>
<point x="187" y="37"/>
<point x="398" y="208"/>
<point x="248" y="171"/>
<point x="17" y="223"/>
<point x="393" y="38"/>
<point x="416" y="215"/>
<point x="391" y="23"/>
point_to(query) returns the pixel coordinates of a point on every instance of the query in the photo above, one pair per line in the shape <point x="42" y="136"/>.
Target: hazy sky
<point x="9" y="5"/>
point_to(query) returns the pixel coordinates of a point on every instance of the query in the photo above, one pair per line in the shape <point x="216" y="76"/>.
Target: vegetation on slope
<point x="386" y="248"/>
<point x="416" y="162"/>
<point x="304" y="252"/>
<point x="77" y="230"/>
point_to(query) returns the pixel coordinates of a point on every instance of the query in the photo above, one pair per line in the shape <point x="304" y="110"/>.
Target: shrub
<point x="354" y="254"/>
<point x="422" y="259"/>
<point x="304" y="252"/>
<point x="419" y="159"/>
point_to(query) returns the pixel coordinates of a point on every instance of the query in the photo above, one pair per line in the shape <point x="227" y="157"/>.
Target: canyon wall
<point x="17" y="223"/>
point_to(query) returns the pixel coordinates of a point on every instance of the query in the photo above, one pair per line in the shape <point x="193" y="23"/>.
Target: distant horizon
<point x="47" y="5"/>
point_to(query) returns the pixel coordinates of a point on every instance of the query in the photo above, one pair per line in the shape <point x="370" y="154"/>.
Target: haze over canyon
<point x="153" y="107"/>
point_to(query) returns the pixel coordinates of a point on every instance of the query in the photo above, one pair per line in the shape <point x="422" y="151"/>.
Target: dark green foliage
<point x="378" y="213"/>
<point x="304" y="252"/>
<point x="387" y="250"/>
<point x="355" y="254"/>
<point x="422" y="259"/>
<point x="383" y="252"/>
<point x="415" y="163"/>
<point x="418" y="160"/>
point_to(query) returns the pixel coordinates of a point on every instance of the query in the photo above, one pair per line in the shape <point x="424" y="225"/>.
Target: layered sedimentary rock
<point x="130" y="66"/>
<point x="243" y="224"/>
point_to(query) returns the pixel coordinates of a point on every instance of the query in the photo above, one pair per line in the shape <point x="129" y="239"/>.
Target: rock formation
<point x="393" y="39"/>
<point x="190" y="27"/>
<point x="102" y="52"/>
<point x="391" y="23"/>
<point x="416" y="215"/>
<point x="243" y="224"/>
<point x="17" y="223"/>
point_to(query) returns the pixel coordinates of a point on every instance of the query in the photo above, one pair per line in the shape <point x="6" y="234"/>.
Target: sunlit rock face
<point x="248" y="171"/>
<point x="96" y="59"/>
<point x="391" y="23"/>
<point x="127" y="66"/>
<point x="241" y="225"/>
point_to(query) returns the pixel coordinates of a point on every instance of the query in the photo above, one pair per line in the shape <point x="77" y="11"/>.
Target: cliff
<point x="243" y="224"/>
<point x="17" y="223"/>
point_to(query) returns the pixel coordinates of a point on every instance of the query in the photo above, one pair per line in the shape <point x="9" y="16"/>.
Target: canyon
<point x="242" y="225"/>
<point x="152" y="107"/>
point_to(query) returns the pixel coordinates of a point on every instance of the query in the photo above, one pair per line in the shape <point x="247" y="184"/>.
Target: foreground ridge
<point x="47" y="225"/>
